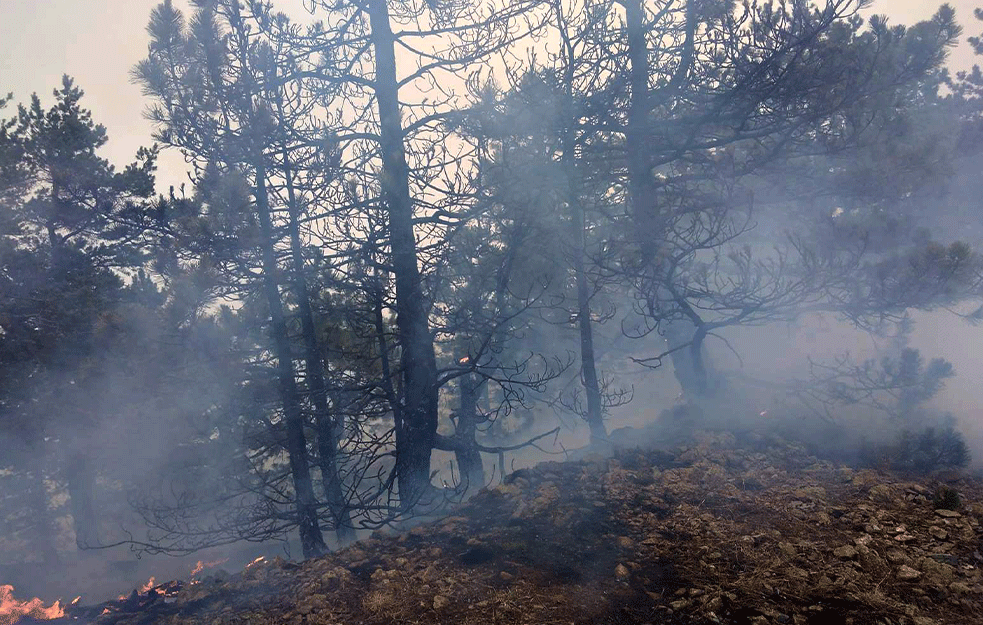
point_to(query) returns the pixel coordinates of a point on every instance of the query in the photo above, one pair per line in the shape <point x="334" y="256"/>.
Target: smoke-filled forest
<point x="416" y="248"/>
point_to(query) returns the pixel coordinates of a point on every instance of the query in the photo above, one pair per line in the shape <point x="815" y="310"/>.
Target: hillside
<point x="720" y="531"/>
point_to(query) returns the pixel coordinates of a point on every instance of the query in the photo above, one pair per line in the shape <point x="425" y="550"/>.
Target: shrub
<point x="947" y="498"/>
<point x="921" y="453"/>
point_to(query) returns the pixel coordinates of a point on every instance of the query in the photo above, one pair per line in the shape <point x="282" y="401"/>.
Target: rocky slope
<point x="715" y="532"/>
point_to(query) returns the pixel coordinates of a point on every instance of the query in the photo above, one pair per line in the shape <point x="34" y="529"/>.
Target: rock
<point x="945" y="558"/>
<point x="896" y="556"/>
<point x="440" y="602"/>
<point x="810" y="493"/>
<point x="908" y="574"/>
<point x="905" y="538"/>
<point x="621" y="573"/>
<point x="959" y="588"/>
<point x="936" y="573"/>
<point x="882" y="493"/>
<point x="947" y="514"/>
<point x="788" y="549"/>
<point x="938" y="533"/>
<point x="679" y="604"/>
<point x="505" y="576"/>
<point x="846" y="552"/>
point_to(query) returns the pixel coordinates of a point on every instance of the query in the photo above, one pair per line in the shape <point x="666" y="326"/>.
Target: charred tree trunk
<point x="641" y="202"/>
<point x="81" y="482"/>
<point x="43" y="530"/>
<point x="690" y="363"/>
<point x="588" y="367"/>
<point x="466" y="451"/>
<point x="312" y="541"/>
<point x="416" y="431"/>
<point x="325" y="424"/>
<point x="699" y="365"/>
<point x="594" y="416"/>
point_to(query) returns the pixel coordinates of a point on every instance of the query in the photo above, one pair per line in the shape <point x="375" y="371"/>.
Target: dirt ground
<point x="717" y="531"/>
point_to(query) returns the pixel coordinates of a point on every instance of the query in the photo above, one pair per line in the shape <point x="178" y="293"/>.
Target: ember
<point x="11" y="610"/>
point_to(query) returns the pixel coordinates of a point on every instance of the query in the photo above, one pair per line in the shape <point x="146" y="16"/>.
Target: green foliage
<point x="920" y="452"/>
<point x="947" y="498"/>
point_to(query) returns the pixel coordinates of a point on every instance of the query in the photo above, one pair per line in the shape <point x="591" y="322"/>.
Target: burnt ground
<point x="719" y="531"/>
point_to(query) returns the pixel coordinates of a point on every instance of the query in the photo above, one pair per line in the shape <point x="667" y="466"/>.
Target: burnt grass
<point x="713" y="532"/>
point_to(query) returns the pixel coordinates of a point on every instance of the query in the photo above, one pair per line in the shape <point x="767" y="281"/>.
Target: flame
<point x="465" y="360"/>
<point x="148" y="586"/>
<point x="201" y="566"/>
<point x="256" y="561"/>
<point x="11" y="610"/>
<point x="104" y="611"/>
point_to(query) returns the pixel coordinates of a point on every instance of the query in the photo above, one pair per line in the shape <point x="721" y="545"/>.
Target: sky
<point x="97" y="42"/>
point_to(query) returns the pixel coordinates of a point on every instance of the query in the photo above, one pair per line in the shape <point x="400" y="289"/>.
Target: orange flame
<point x="11" y="610"/>
<point x="201" y="566"/>
<point x="148" y="586"/>
<point x="256" y="561"/>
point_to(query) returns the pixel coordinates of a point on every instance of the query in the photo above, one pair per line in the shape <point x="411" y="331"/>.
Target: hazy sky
<point x="98" y="41"/>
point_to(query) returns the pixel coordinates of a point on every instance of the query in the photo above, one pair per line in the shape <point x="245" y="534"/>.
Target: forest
<point x="422" y="243"/>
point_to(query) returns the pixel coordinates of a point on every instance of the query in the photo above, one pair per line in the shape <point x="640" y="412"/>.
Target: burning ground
<point x="719" y="531"/>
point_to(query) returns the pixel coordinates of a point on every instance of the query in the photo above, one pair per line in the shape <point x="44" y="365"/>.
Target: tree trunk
<point x="588" y="367"/>
<point x="595" y="416"/>
<point x="690" y="363"/>
<point x="44" y="532"/>
<point x="312" y="541"/>
<point x="641" y="201"/>
<point x="81" y="489"/>
<point x="416" y="431"/>
<point x="467" y="453"/>
<point x="327" y="448"/>
<point x="699" y="366"/>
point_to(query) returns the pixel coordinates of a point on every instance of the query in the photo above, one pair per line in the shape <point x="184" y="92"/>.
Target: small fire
<point x="148" y="586"/>
<point x="256" y="561"/>
<point x="201" y="566"/>
<point x="465" y="360"/>
<point x="11" y="610"/>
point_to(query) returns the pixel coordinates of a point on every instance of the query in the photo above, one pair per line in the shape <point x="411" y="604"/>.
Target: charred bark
<point x="312" y="541"/>
<point x="81" y="481"/>
<point x="588" y="367"/>
<point x="44" y="533"/>
<point x="325" y="424"/>
<point x="466" y="452"/>
<point x="690" y="366"/>
<point x="416" y="430"/>
<point x="640" y="198"/>
<point x="592" y="389"/>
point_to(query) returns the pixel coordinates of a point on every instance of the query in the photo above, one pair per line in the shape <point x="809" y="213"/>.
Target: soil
<point x="717" y="531"/>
